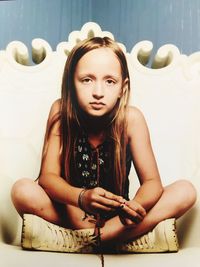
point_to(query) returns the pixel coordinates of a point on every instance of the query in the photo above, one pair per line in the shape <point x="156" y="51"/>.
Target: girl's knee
<point x="22" y="190"/>
<point x="187" y="192"/>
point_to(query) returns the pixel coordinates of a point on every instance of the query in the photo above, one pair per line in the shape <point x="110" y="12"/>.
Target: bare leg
<point x="29" y="197"/>
<point x="176" y="199"/>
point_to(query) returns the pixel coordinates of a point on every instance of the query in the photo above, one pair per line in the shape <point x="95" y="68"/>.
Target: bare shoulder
<point x="55" y="108"/>
<point x="54" y="114"/>
<point x="134" y="115"/>
<point x="135" y="121"/>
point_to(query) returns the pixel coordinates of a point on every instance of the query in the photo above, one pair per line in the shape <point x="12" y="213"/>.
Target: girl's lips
<point x="97" y="105"/>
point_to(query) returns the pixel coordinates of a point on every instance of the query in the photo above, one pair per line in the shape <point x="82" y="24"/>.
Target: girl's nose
<point x="98" y="91"/>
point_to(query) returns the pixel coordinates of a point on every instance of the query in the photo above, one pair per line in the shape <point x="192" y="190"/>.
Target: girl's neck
<point x="96" y="128"/>
<point x="94" y="125"/>
<point x="96" y="131"/>
<point x="96" y="139"/>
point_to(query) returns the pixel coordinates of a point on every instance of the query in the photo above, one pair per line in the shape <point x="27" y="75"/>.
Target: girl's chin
<point x="96" y="113"/>
<point x="101" y="116"/>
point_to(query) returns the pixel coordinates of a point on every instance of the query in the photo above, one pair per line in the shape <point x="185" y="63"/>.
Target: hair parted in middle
<point x="69" y="115"/>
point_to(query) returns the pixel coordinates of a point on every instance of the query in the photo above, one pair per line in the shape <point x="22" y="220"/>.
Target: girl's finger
<point x="108" y="202"/>
<point x="97" y="206"/>
<point x="126" y="221"/>
<point x="136" y="207"/>
<point x="112" y="196"/>
<point x="130" y="214"/>
<point x="105" y="197"/>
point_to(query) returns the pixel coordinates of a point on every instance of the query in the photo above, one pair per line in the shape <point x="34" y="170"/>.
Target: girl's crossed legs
<point x="29" y="197"/>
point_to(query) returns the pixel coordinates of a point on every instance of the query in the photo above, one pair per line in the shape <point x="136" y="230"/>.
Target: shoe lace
<point x="146" y="241"/>
<point x="73" y="240"/>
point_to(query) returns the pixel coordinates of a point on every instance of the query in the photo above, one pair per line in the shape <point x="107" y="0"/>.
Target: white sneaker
<point x="162" y="238"/>
<point x="38" y="234"/>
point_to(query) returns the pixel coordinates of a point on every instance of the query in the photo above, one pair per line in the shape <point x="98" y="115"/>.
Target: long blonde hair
<point x="70" y="125"/>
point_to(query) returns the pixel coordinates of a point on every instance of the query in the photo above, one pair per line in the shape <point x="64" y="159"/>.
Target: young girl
<point x="81" y="198"/>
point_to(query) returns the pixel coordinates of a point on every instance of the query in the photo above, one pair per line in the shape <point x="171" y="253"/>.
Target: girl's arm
<point x="59" y="189"/>
<point x="51" y="181"/>
<point x="144" y="160"/>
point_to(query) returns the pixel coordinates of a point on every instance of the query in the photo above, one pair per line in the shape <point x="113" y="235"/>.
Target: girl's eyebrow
<point x="85" y="74"/>
<point x="109" y="75"/>
<point x="112" y="76"/>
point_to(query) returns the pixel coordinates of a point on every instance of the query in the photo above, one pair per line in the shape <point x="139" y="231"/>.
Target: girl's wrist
<point x="80" y="199"/>
<point x="82" y="206"/>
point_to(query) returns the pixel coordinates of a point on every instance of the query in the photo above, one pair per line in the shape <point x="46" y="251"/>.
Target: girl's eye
<point x="110" y="82"/>
<point x="86" y="80"/>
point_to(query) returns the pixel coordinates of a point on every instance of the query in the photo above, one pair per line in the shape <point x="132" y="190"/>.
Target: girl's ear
<point x="124" y="87"/>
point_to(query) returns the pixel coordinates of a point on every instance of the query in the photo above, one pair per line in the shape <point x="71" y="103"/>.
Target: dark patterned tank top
<point x="94" y="166"/>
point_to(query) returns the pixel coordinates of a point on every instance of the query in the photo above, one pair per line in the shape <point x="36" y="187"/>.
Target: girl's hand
<point x="98" y="199"/>
<point x="131" y="212"/>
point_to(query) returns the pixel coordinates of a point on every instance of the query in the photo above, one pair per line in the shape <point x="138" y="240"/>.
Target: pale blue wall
<point x="160" y="21"/>
<point x="51" y="20"/>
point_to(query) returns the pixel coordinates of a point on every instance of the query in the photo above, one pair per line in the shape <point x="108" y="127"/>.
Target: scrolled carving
<point x="18" y="52"/>
<point x="40" y="50"/>
<point x="89" y="30"/>
<point x="140" y="57"/>
<point x="142" y="51"/>
<point x="166" y="55"/>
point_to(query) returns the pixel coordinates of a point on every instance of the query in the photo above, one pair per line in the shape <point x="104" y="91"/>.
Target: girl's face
<point x="98" y="81"/>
